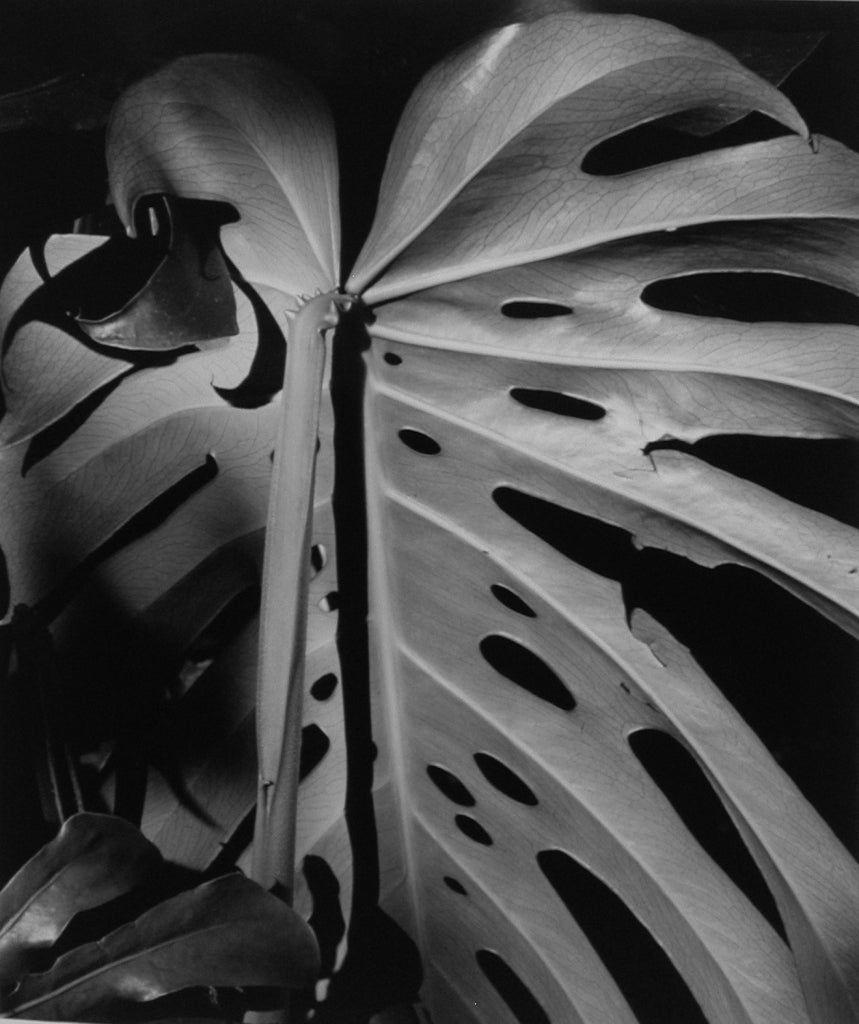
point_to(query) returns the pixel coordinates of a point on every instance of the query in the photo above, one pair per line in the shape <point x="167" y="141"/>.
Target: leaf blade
<point x="228" y="932"/>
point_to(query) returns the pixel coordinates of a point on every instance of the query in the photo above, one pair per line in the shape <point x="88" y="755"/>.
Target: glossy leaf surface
<point x="229" y="931"/>
<point x="94" y="858"/>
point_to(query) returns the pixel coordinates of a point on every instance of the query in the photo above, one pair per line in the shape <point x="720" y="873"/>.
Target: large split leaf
<point x="531" y="408"/>
<point x="523" y="383"/>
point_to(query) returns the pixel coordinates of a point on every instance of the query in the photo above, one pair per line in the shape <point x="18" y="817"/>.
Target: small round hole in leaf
<point x="524" y="668"/>
<point x="392" y="359"/>
<point x="534" y="309"/>
<point x="330" y="602"/>
<point x="419" y="442"/>
<point x="558" y="402"/>
<point x="505" y="780"/>
<point x="511" y="600"/>
<point x="314" y="746"/>
<point x="452" y="787"/>
<point x="473" y="829"/>
<point x="324" y="687"/>
<point x="455" y="886"/>
<point x="318" y="557"/>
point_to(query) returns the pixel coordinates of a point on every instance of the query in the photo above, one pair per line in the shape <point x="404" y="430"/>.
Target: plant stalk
<point x="286" y="578"/>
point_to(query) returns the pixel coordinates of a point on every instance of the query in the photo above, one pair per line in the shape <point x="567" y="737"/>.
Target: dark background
<point x="62" y="64"/>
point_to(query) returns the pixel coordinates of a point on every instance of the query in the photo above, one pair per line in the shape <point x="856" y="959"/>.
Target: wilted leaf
<point x="94" y="858"/>
<point x="225" y="933"/>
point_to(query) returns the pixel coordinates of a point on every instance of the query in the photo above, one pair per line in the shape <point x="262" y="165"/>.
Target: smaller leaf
<point x="229" y="932"/>
<point x="94" y="858"/>
<point x="188" y="298"/>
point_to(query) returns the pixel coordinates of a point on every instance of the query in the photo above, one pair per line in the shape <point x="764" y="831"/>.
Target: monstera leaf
<point x="506" y="414"/>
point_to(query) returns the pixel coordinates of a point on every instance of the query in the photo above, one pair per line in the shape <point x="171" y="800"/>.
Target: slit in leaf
<point x="324" y="687"/>
<point x="512" y="601"/>
<point x="451" y="786"/>
<point x="534" y="309"/>
<point x="455" y="886"/>
<point x="326" y="920"/>
<point x="753" y="297"/>
<point x="598" y="546"/>
<point x="558" y="402"/>
<point x="330" y="602"/>
<point x="757" y="642"/>
<point x="657" y="142"/>
<point x="642" y="970"/>
<point x="521" y="666"/>
<point x="47" y="441"/>
<point x="314" y="746"/>
<point x="419" y="442"/>
<point x="473" y="829"/>
<point x="505" y="780"/>
<point x="676" y="772"/>
<point x="520" y="1000"/>
<point x="149" y="518"/>
<point x="820" y="474"/>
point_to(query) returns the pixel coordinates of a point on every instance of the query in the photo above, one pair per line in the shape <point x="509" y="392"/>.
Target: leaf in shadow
<point x="94" y="858"/>
<point x="265" y="376"/>
<point x="227" y="932"/>
<point x="189" y="296"/>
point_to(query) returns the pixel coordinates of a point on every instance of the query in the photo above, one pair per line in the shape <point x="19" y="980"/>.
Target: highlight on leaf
<point x="503" y="489"/>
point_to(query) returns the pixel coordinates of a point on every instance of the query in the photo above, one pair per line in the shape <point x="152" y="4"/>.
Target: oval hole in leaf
<point x="558" y="402"/>
<point x="419" y="442"/>
<point x="324" y="687"/>
<point x="505" y="780"/>
<point x="314" y="746"/>
<point x="752" y="297"/>
<point x="519" y="998"/>
<point x="455" y="886"/>
<point x="598" y="546"/>
<point x="648" y="979"/>
<point x="331" y="601"/>
<point x="452" y="787"/>
<point x="676" y="772"/>
<point x="534" y="309"/>
<point x="818" y="473"/>
<point x="512" y="601"/>
<point x="473" y="829"/>
<point x="318" y="557"/>
<point x="656" y="142"/>
<point x="392" y="359"/>
<point x="524" y="668"/>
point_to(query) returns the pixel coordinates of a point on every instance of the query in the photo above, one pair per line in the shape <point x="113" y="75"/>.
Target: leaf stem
<point x="286" y="577"/>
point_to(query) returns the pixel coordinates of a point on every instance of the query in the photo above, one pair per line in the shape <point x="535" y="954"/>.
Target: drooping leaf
<point x="94" y="858"/>
<point x="227" y="932"/>
<point x="244" y="131"/>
